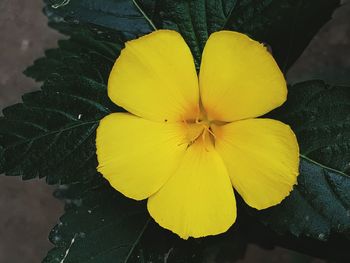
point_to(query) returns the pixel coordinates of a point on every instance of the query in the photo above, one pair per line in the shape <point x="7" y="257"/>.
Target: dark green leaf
<point x="88" y="203"/>
<point x="318" y="207"/>
<point x="107" y="227"/>
<point x="320" y="204"/>
<point x="286" y="25"/>
<point x="320" y="116"/>
<point x="123" y="16"/>
<point x="336" y="249"/>
<point x="52" y="133"/>
<point x="102" y="226"/>
<point x="82" y="55"/>
<point x="194" y="19"/>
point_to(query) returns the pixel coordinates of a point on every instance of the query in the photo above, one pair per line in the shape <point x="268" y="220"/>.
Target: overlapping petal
<point x="198" y="200"/>
<point x="239" y="78"/>
<point x="155" y="78"/>
<point x="262" y="157"/>
<point x="137" y="156"/>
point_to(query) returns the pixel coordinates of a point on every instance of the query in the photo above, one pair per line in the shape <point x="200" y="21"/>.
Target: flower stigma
<point x="201" y="129"/>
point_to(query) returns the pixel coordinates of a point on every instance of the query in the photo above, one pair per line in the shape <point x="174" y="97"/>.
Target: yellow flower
<point x="187" y="139"/>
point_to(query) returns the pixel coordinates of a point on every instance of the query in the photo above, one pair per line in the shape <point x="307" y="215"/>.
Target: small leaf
<point x="319" y="206"/>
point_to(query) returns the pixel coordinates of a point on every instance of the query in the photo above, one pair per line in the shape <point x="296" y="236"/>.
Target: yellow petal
<point x="239" y="79"/>
<point x="155" y="78"/>
<point x="198" y="200"/>
<point x="136" y="155"/>
<point x="262" y="157"/>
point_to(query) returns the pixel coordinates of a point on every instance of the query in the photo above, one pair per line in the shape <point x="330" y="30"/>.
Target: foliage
<point x="287" y="26"/>
<point x="100" y="227"/>
<point x="52" y="133"/>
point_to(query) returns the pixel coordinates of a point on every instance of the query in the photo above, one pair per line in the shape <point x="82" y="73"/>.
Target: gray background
<point x="27" y="209"/>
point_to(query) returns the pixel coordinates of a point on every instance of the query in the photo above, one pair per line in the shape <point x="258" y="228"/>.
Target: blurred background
<point x="27" y="209"/>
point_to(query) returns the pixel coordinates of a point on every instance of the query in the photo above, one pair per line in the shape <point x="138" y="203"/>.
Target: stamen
<point x="211" y="132"/>
<point x="203" y="129"/>
<point x="195" y="139"/>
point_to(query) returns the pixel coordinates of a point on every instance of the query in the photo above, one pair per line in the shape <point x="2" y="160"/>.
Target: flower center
<point x="199" y="130"/>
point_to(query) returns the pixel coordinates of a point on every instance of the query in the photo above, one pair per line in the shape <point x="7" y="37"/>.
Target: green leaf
<point x="52" y="133"/>
<point x="155" y="244"/>
<point x="102" y="226"/>
<point x="319" y="206"/>
<point x="336" y="249"/>
<point x="131" y="234"/>
<point x="123" y="16"/>
<point x="286" y="25"/>
<point x="87" y="204"/>
<point x="107" y="227"/>
<point x="82" y="55"/>
<point x="320" y="116"/>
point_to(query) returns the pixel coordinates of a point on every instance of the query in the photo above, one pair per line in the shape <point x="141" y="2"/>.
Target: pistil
<point x="199" y="129"/>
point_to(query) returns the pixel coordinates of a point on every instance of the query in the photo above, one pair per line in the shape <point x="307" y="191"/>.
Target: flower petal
<point x="239" y="79"/>
<point x="262" y="157"/>
<point x="137" y="156"/>
<point x="155" y="78"/>
<point x="198" y="200"/>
